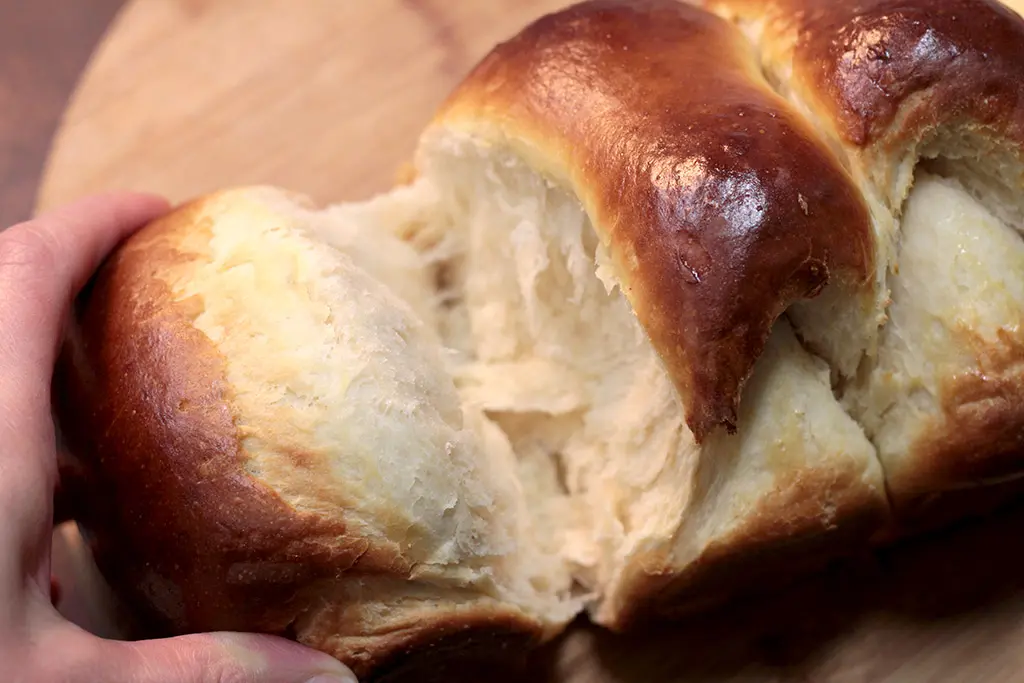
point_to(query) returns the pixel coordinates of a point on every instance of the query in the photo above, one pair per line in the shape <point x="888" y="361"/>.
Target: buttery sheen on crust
<point x="678" y="303"/>
<point x="713" y="198"/>
<point x="898" y="89"/>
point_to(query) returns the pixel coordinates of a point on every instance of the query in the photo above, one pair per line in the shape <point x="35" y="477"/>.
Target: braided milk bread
<point x="631" y="340"/>
<point x="902" y="91"/>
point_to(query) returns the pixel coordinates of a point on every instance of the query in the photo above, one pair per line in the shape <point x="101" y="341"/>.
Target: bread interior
<point x="956" y="312"/>
<point x="558" y="380"/>
<point x="361" y="383"/>
<point x="589" y="483"/>
<point x="945" y="206"/>
<point x="543" y="343"/>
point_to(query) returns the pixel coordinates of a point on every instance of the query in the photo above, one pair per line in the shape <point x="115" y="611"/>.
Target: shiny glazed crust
<point x="880" y="72"/>
<point x="888" y="83"/>
<point x="722" y="199"/>
<point x="718" y="204"/>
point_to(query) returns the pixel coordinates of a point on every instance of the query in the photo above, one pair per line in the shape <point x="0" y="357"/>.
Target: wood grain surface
<point x="327" y="96"/>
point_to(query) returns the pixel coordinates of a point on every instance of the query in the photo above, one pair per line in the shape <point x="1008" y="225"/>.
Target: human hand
<point x="43" y="264"/>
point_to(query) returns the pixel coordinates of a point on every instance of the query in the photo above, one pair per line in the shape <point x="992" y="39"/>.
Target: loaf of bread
<point x="679" y="302"/>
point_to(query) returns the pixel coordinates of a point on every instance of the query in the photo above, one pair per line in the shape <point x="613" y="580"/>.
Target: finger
<point x="43" y="263"/>
<point x="203" y="658"/>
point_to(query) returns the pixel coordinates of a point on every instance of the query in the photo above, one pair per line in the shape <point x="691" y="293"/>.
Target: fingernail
<point x="285" y="661"/>
<point x="332" y="678"/>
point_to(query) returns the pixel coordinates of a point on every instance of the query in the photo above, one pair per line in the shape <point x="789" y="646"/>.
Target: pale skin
<point x="43" y="264"/>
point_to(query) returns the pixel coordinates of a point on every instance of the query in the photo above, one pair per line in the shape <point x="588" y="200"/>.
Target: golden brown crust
<point x="717" y="203"/>
<point x="443" y="648"/>
<point x="720" y="208"/>
<point x="813" y="518"/>
<point x="977" y="440"/>
<point x="146" y="407"/>
<point x="886" y="77"/>
<point x="177" y="524"/>
<point x="867" y="61"/>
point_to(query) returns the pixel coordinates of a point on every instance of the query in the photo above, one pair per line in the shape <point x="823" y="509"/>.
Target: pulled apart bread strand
<point x="681" y="301"/>
<point x="708" y="209"/>
<point x="928" y="96"/>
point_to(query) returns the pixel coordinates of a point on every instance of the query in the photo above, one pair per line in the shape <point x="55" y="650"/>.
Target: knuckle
<point x="216" y="668"/>
<point x="228" y="674"/>
<point x="27" y="249"/>
<point x="28" y="256"/>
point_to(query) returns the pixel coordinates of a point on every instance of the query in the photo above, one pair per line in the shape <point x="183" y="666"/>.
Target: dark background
<point x="44" y="45"/>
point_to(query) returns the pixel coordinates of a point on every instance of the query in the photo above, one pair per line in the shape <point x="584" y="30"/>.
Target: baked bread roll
<point x="298" y="456"/>
<point x="904" y="92"/>
<point x="631" y="340"/>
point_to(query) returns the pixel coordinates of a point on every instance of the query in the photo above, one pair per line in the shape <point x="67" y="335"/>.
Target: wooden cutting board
<point x="327" y="97"/>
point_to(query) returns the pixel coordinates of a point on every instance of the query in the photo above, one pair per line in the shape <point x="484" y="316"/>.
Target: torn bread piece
<point x="656" y="321"/>
<point x="297" y="457"/>
<point x="905" y="92"/>
<point x="555" y="355"/>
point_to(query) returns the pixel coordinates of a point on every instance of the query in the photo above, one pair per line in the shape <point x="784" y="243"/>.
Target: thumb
<point x="202" y="658"/>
